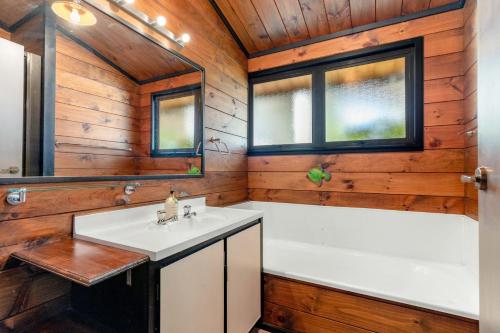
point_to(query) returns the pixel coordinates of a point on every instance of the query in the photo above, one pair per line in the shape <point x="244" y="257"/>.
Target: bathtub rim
<point x="367" y="292"/>
<point x="374" y="298"/>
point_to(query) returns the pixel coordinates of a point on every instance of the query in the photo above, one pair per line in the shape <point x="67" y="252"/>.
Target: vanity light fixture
<point x="73" y="11"/>
<point x="160" y="21"/>
<point x="158" y="24"/>
<point x="185" y="38"/>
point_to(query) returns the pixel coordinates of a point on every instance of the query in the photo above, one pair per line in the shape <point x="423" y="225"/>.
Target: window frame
<point x="156" y="98"/>
<point x="411" y="49"/>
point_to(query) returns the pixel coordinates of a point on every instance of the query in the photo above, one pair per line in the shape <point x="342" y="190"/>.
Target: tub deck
<point x="425" y="260"/>
<point x="298" y="306"/>
<point x="443" y="287"/>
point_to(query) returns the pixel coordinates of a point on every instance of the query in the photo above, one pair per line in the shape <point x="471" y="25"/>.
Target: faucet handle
<point x="187" y="212"/>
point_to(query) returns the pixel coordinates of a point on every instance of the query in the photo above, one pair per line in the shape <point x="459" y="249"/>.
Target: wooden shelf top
<point x="83" y="262"/>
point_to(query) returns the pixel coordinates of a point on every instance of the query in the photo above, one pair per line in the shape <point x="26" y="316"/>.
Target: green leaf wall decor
<point x="317" y="175"/>
<point x="194" y="171"/>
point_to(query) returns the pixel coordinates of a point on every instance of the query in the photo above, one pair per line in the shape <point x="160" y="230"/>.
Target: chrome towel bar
<point x="17" y="196"/>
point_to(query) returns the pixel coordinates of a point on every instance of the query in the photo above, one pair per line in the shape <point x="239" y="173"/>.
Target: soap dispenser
<point x="171" y="204"/>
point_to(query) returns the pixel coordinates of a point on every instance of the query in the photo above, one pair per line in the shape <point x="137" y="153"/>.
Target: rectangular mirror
<point x="87" y="97"/>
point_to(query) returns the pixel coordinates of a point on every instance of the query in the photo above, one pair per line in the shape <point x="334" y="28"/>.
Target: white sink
<point x="135" y="229"/>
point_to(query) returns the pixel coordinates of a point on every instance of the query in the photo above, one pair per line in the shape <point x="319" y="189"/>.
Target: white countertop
<point x="135" y="229"/>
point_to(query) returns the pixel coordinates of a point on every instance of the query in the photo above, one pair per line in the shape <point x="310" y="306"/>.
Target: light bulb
<point x="185" y="38"/>
<point x="161" y="21"/>
<point x="74" y="16"/>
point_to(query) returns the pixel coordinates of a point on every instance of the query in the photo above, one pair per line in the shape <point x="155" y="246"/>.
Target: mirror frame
<point x="49" y="95"/>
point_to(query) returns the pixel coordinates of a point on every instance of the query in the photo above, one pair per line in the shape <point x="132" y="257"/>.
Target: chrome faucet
<point x="187" y="212"/>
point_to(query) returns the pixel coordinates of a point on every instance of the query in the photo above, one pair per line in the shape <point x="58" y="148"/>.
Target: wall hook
<point x="16" y="196"/>
<point x="131" y="188"/>
<point x="216" y="142"/>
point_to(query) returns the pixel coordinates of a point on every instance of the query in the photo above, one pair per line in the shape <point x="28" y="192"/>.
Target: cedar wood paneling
<point x="4" y="34"/>
<point x="108" y="119"/>
<point x="99" y="106"/>
<point x="27" y="294"/>
<point x="262" y="24"/>
<point x="423" y="181"/>
<point x="470" y="105"/>
<point x="145" y="164"/>
<point x="305" y="307"/>
<point x="419" y="181"/>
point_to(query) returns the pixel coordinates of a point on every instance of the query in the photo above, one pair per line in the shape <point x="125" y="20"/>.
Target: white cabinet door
<point x="192" y="293"/>
<point x="243" y="280"/>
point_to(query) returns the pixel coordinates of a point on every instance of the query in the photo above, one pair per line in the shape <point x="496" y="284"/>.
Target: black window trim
<point x="198" y="122"/>
<point x="411" y="49"/>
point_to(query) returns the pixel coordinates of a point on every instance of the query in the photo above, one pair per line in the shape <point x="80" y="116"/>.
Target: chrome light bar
<point x="153" y="23"/>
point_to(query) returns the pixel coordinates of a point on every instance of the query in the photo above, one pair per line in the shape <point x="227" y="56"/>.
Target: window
<point x="176" y="122"/>
<point x="366" y="100"/>
<point x="283" y="111"/>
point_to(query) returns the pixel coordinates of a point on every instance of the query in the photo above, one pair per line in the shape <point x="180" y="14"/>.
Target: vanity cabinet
<point x="192" y="292"/>
<point x="243" y="253"/>
<point x="211" y="287"/>
<point x="192" y="289"/>
<point x="216" y="288"/>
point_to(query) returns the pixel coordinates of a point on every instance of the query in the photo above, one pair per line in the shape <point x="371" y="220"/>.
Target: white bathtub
<point x="422" y="259"/>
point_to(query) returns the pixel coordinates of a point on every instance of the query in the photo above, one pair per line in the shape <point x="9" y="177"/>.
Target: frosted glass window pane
<point x="176" y="123"/>
<point x="366" y="102"/>
<point x="282" y="111"/>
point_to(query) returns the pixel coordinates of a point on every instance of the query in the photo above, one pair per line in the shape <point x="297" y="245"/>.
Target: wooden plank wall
<point x="95" y="107"/>
<point x="145" y="164"/>
<point x="4" y="34"/>
<point x="418" y="181"/>
<point x="27" y="295"/>
<point x="302" y="307"/>
<point x="470" y="105"/>
<point x="32" y="42"/>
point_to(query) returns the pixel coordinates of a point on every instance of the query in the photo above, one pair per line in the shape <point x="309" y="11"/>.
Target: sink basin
<point x="202" y="220"/>
<point x="135" y="229"/>
<point x="207" y="217"/>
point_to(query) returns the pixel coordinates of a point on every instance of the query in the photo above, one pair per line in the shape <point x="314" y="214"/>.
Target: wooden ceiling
<point x="138" y="57"/>
<point x="134" y="55"/>
<point x="12" y="11"/>
<point x="262" y="25"/>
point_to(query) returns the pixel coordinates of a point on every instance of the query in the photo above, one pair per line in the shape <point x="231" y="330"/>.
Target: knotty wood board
<point x="83" y="262"/>
<point x="416" y="181"/>
<point x="303" y="307"/>
<point x="213" y="48"/>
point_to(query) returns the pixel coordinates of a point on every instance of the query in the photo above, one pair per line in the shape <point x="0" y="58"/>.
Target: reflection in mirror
<point x="176" y="122"/>
<point x="83" y="95"/>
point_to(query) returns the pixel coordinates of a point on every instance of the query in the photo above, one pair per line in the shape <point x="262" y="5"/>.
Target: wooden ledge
<point x="83" y="262"/>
